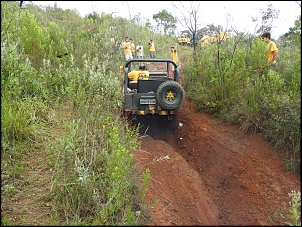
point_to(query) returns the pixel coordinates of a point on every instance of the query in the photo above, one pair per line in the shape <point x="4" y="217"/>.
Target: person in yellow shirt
<point x="204" y="40"/>
<point x="140" y="74"/>
<point x="179" y="40"/>
<point x="127" y="49"/>
<point x="213" y="39"/>
<point x="152" y="49"/>
<point x="188" y="41"/>
<point x="271" y="48"/>
<point x="174" y="56"/>
<point x="184" y="40"/>
<point x="132" y="47"/>
<point x="223" y="35"/>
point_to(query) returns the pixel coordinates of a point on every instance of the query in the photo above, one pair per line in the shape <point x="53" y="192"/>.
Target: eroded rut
<point x="211" y="173"/>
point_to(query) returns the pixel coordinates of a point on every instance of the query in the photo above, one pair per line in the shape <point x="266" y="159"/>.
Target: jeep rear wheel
<point x="170" y="95"/>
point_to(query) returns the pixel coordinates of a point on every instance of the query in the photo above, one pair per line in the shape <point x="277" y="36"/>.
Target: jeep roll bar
<point x="168" y="61"/>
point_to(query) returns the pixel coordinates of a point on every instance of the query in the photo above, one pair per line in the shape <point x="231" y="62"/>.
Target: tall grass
<point x="294" y="219"/>
<point x="252" y="95"/>
<point x="94" y="181"/>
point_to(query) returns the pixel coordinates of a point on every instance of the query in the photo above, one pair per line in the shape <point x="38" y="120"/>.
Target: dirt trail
<point x="212" y="173"/>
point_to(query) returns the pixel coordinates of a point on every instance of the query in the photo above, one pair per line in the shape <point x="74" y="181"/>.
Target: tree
<point x="186" y="33"/>
<point x="166" y="20"/>
<point x="294" y="33"/>
<point x="94" y="16"/>
<point x="210" y="29"/>
<point x="189" y="19"/>
<point x="148" y="24"/>
<point x="268" y="16"/>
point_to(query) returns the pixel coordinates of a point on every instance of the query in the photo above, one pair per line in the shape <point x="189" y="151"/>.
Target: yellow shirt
<point x="174" y="56"/>
<point x="271" y="47"/>
<point x="141" y="75"/>
<point x="213" y="39"/>
<point x="223" y="35"/>
<point x="126" y="46"/>
<point x="204" y="40"/>
<point x="132" y="47"/>
<point x="151" y="47"/>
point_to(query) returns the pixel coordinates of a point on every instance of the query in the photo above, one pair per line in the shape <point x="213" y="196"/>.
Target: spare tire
<point x="170" y="95"/>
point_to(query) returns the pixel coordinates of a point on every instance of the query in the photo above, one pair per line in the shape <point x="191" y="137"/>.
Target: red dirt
<point x="212" y="173"/>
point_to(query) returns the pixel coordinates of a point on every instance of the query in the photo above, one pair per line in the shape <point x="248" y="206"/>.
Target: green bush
<point x="232" y="80"/>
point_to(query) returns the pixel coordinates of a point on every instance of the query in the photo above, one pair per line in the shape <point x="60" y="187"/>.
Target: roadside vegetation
<point x="61" y="110"/>
<point x="232" y="81"/>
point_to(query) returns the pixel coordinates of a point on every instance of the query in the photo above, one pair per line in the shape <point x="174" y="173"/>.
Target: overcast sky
<point x="210" y="12"/>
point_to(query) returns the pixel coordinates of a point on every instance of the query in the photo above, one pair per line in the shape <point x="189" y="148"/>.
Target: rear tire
<point x="170" y="95"/>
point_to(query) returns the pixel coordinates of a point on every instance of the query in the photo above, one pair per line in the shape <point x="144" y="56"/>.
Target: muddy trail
<point x="210" y="173"/>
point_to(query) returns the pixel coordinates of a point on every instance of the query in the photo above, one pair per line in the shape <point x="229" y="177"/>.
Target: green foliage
<point x="9" y="23"/>
<point x="146" y="178"/>
<point x="290" y="72"/>
<point x="167" y="21"/>
<point x="32" y="38"/>
<point x="257" y="58"/>
<point x="23" y="127"/>
<point x="233" y="81"/>
<point x="6" y="221"/>
<point x="95" y="147"/>
<point x="17" y="122"/>
<point x="210" y="30"/>
<point x="102" y="168"/>
<point x="267" y="17"/>
<point x="56" y="45"/>
<point x="294" y="34"/>
<point x="19" y="80"/>
<point x="94" y="180"/>
<point x="295" y="209"/>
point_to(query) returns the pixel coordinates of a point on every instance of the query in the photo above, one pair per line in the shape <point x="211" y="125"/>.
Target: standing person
<point x="132" y="47"/>
<point x="174" y="57"/>
<point x="152" y="49"/>
<point x="271" y="48"/>
<point x="127" y="50"/>
<point x="213" y="39"/>
<point x="223" y="35"/>
<point x="140" y="50"/>
<point x="204" y="40"/>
